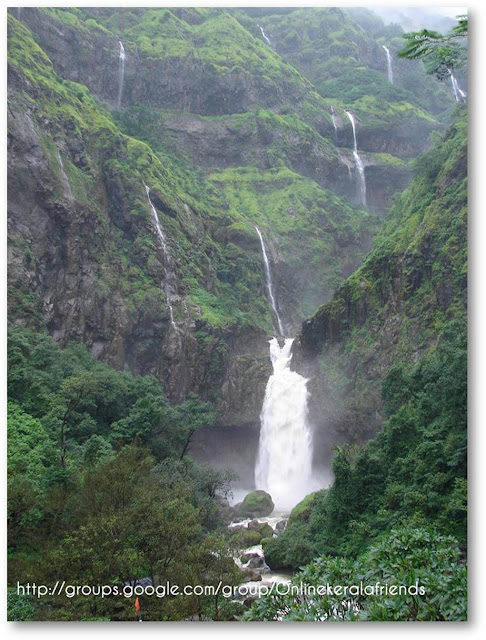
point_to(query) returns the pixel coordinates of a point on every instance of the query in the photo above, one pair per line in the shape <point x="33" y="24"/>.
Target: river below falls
<point x="268" y="577"/>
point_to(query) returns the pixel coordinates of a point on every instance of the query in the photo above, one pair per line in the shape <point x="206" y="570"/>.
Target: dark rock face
<point x="78" y="232"/>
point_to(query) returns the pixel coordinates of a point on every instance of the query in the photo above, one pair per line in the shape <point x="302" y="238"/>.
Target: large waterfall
<point x="166" y="252"/>
<point x="284" y="461"/>
<point x="121" y="72"/>
<point x="388" y="63"/>
<point x="268" y="281"/>
<point x="359" y="164"/>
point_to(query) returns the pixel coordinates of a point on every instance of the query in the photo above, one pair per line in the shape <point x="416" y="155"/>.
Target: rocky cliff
<point x="227" y="132"/>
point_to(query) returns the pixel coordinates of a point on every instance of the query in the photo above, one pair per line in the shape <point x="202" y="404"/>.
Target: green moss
<point x="256" y="504"/>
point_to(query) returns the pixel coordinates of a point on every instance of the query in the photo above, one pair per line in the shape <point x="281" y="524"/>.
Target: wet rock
<point x="250" y="575"/>
<point x="280" y="526"/>
<point x="245" y="557"/>
<point x="256" y="562"/>
<point x="245" y="538"/>
<point x="263" y="528"/>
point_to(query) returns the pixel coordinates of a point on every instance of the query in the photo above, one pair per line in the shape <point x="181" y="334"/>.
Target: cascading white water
<point x="166" y="252"/>
<point x="284" y="460"/>
<point x="388" y="63"/>
<point x="459" y="94"/>
<point x="267" y="40"/>
<point x="334" y="121"/>
<point x="121" y="72"/>
<point x="268" y="281"/>
<point x="359" y="164"/>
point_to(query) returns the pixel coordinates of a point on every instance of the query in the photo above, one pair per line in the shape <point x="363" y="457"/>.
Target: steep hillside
<point x="395" y="307"/>
<point x="227" y="134"/>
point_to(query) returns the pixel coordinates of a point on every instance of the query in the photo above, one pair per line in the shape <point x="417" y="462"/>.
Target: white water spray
<point x="284" y="461"/>
<point x="359" y="164"/>
<point x="268" y="281"/>
<point x="267" y="40"/>
<point x="166" y="252"/>
<point x="459" y="94"/>
<point x="388" y="63"/>
<point x="121" y="71"/>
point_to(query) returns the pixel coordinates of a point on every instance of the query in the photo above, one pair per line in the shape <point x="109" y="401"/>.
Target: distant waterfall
<point x="268" y="281"/>
<point x="459" y="94"/>
<point x="121" y="71"/>
<point x="388" y="63"/>
<point x="65" y="179"/>
<point x="284" y="460"/>
<point x="267" y="40"/>
<point x="359" y="164"/>
<point x="165" y="250"/>
<point x="334" y="121"/>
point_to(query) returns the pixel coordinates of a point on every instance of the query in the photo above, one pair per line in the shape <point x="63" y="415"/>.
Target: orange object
<point x="137" y="605"/>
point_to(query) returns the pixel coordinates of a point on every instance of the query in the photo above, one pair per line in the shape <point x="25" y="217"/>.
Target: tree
<point x="441" y="53"/>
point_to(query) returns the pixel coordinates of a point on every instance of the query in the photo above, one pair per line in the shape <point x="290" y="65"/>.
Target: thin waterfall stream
<point x="166" y="252"/>
<point x="459" y="94"/>
<point x="264" y="36"/>
<point x="359" y="164"/>
<point x="388" y="63"/>
<point x="121" y="71"/>
<point x="334" y="121"/>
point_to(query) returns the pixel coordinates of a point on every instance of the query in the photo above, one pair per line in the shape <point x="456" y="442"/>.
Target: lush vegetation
<point x="410" y="574"/>
<point x="101" y="489"/>
<point x="230" y="131"/>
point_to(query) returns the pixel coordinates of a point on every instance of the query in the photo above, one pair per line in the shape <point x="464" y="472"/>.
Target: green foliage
<point x="440" y="52"/>
<point x="415" y="574"/>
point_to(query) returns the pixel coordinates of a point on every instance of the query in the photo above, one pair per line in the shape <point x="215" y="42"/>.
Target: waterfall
<point x="388" y="63"/>
<point x="284" y="460"/>
<point x="65" y="179"/>
<point x="268" y="280"/>
<point x="121" y="71"/>
<point x="267" y="40"/>
<point x="334" y="121"/>
<point x="166" y="252"/>
<point x="459" y="94"/>
<point x="359" y="164"/>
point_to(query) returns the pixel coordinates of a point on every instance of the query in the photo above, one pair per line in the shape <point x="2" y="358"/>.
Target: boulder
<point x="247" y="556"/>
<point x="256" y="504"/>
<point x="256" y="562"/>
<point x="280" y="526"/>
<point x="250" y="575"/>
<point x="263" y="528"/>
<point x="246" y="538"/>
